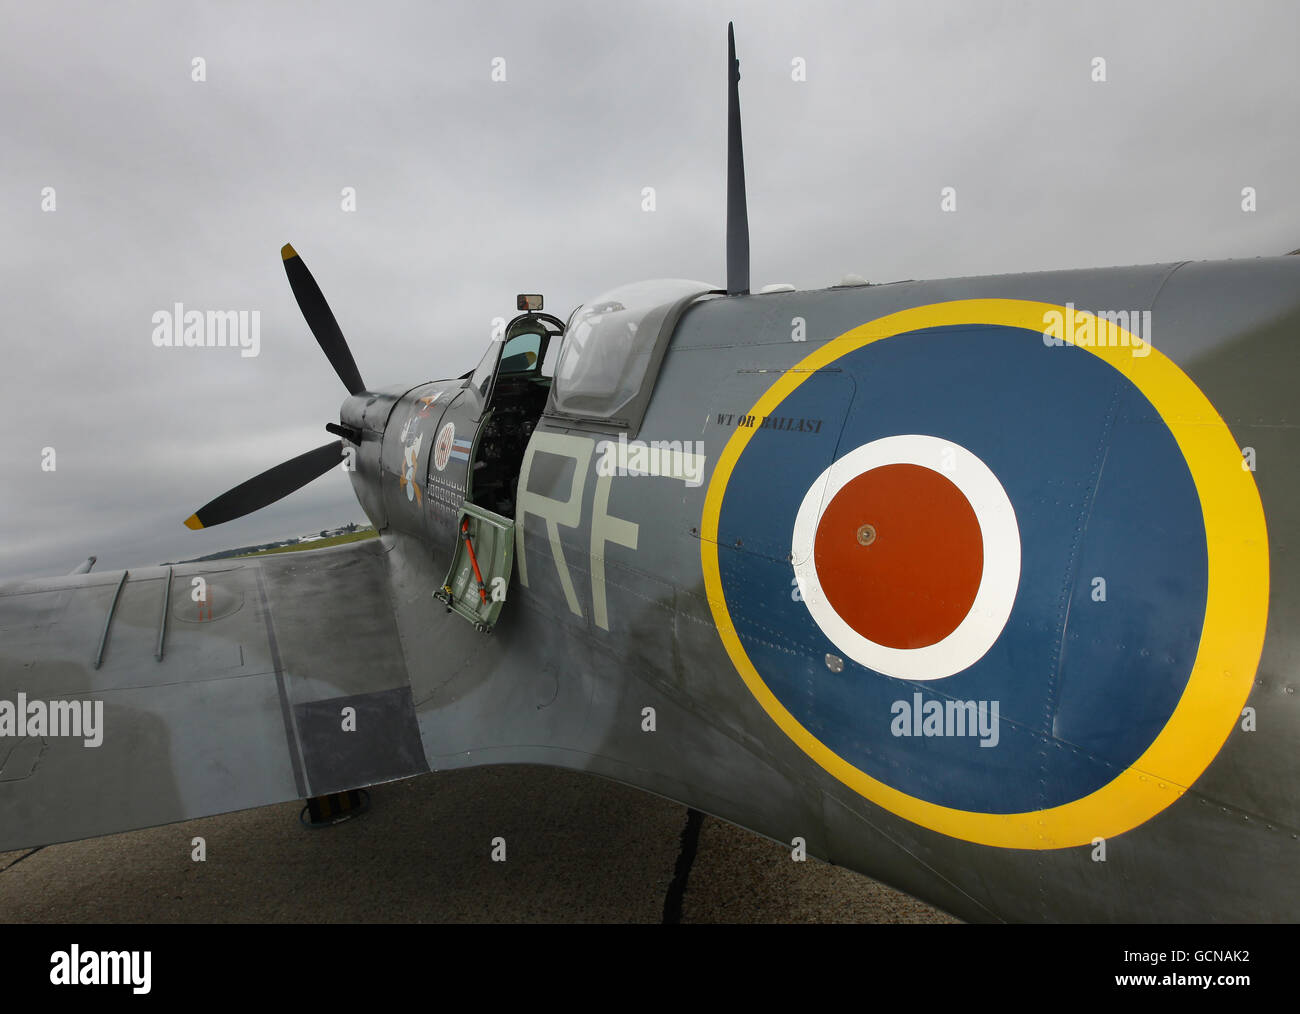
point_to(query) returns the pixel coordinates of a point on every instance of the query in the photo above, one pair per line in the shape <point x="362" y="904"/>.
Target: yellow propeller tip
<point x="287" y="251"/>
<point x="192" y="522"/>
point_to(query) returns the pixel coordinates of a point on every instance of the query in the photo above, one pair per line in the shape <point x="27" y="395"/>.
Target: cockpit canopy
<point x="613" y="347"/>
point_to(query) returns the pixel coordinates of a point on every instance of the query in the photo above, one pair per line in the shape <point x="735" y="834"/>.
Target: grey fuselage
<point x="608" y="613"/>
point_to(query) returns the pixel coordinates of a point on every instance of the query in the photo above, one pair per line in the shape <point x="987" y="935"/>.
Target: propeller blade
<point x="311" y="301"/>
<point x="272" y="485"/>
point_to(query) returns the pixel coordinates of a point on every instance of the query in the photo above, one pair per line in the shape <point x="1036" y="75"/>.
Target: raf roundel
<point x="1010" y="590"/>
<point x="442" y="447"/>
<point x="907" y="555"/>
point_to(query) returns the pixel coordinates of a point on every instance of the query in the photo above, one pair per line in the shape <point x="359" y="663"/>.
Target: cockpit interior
<point x="514" y="381"/>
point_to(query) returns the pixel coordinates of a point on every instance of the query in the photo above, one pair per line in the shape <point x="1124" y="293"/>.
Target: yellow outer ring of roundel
<point x="1236" y="606"/>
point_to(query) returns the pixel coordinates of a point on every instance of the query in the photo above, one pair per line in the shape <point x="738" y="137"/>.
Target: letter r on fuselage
<point x="554" y="512"/>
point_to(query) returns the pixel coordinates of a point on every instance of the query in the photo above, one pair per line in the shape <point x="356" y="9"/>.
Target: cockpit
<point x="513" y="381"/>
<point x="595" y="372"/>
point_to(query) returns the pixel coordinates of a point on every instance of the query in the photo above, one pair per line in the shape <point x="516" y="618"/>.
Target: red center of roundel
<point x="915" y="581"/>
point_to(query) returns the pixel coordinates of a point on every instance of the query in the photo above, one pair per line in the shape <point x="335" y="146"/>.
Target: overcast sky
<point x="470" y="190"/>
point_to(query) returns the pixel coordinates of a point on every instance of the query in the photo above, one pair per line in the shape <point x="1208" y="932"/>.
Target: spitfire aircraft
<point x="984" y="587"/>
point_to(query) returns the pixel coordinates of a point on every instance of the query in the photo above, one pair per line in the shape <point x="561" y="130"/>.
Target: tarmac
<point x="577" y="849"/>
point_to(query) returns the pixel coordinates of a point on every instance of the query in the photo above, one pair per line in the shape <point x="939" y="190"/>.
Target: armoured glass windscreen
<point x="609" y="345"/>
<point x="520" y="354"/>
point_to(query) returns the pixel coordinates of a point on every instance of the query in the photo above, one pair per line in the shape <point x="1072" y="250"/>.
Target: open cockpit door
<point x="476" y="583"/>
<point x="493" y="420"/>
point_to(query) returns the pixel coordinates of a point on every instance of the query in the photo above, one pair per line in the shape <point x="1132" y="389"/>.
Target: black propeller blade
<point x="272" y="485"/>
<point x="278" y="482"/>
<point x="321" y="320"/>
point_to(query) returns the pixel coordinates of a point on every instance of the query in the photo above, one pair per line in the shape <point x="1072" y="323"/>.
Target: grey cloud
<point x="469" y="191"/>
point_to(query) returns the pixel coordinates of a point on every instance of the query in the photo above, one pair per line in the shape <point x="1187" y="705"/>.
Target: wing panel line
<point x="290" y="726"/>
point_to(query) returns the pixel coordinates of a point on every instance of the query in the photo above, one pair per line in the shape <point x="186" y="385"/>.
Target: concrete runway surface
<point x="578" y="849"/>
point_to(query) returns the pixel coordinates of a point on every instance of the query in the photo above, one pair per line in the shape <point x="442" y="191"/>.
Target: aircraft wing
<point x="218" y="686"/>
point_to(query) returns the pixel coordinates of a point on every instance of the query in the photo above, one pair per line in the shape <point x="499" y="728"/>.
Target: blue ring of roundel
<point x="1100" y="490"/>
